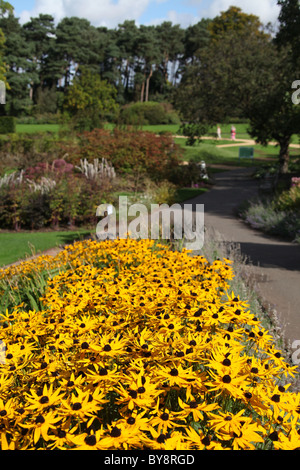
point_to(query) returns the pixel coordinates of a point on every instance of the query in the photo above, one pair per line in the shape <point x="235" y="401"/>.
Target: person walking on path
<point x="233" y="133"/>
<point x="219" y="133"/>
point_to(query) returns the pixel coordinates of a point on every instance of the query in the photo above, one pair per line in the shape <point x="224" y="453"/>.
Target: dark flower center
<point x="274" y="436"/>
<point x="90" y="440"/>
<point x="206" y="441"/>
<point x="133" y="393"/>
<point x="226" y="362"/>
<point x="161" y="438"/>
<point x="275" y="398"/>
<point x="44" y="400"/>
<point x="193" y="405"/>
<point x="77" y="406"/>
<point x="115" y="432"/>
<point x="40" y="420"/>
<point x="226" y="379"/>
<point x="130" y="420"/>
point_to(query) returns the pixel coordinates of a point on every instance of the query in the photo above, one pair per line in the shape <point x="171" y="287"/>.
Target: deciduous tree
<point x="90" y="100"/>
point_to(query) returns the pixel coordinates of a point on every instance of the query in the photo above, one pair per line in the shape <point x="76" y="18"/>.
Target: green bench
<point x="246" y="152"/>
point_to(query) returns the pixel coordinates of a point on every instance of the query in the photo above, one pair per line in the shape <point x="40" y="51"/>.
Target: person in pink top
<point x="233" y="132"/>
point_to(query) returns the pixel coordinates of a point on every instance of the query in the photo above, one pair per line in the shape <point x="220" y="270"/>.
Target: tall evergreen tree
<point x="289" y="27"/>
<point x="5" y="8"/>
<point x="149" y="54"/>
<point x="20" y="73"/>
<point x="172" y="47"/>
<point x="72" y="47"/>
<point x="38" y="35"/>
<point x="127" y="34"/>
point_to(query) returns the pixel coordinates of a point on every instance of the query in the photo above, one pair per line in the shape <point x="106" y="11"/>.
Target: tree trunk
<point x="284" y="155"/>
<point x="143" y="91"/>
<point x="147" y="86"/>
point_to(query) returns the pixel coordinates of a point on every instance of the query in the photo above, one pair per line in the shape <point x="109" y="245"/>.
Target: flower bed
<point x="128" y="345"/>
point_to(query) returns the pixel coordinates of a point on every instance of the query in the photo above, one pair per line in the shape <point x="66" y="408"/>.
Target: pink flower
<point x="296" y="181"/>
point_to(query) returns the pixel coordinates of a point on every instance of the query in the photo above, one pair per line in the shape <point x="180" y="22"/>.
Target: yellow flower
<point x="198" y="439"/>
<point x="227" y="423"/>
<point x="43" y="398"/>
<point x="226" y="383"/>
<point x="283" y="442"/>
<point x="79" y="406"/>
<point x="163" y="418"/>
<point x="137" y="346"/>
<point x="247" y="436"/>
<point x="41" y="424"/>
<point x="195" y="409"/>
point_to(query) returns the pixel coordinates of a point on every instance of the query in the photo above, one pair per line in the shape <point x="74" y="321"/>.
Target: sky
<point x="110" y="13"/>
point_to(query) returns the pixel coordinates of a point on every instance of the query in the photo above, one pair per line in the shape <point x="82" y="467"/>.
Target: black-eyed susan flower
<point x="80" y="406"/>
<point x="85" y="441"/>
<point x="282" y="441"/>
<point x="134" y="347"/>
<point x="175" y="375"/>
<point x="166" y="441"/>
<point x="41" y="424"/>
<point x="248" y="436"/>
<point x="43" y="398"/>
<point x="195" y="408"/>
<point x="163" y="419"/>
<point x="228" y="383"/>
<point x="197" y="439"/>
<point x="227" y="423"/>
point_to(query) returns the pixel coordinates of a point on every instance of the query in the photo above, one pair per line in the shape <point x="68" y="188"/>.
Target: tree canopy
<point x="89" y="99"/>
<point x="244" y="72"/>
<point x="230" y="65"/>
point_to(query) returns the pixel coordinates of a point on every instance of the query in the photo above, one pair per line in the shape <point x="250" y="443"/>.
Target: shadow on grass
<point x="72" y="237"/>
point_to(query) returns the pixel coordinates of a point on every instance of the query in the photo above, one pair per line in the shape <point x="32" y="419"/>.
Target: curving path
<point x="276" y="262"/>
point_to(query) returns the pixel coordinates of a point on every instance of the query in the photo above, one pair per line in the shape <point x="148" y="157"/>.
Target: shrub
<point x="23" y="151"/>
<point x="266" y="216"/>
<point x="148" y="113"/>
<point x="134" y="152"/>
<point x="50" y="195"/>
<point x="289" y="200"/>
<point x="190" y="175"/>
<point x="7" y="125"/>
<point x="96" y="171"/>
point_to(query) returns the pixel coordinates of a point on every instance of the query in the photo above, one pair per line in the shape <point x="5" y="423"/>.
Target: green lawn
<point x="16" y="246"/>
<point x="34" y="128"/>
<point x="208" y="151"/>
<point x="184" y="194"/>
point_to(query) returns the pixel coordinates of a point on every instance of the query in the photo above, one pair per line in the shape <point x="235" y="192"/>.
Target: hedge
<point x="7" y="125"/>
